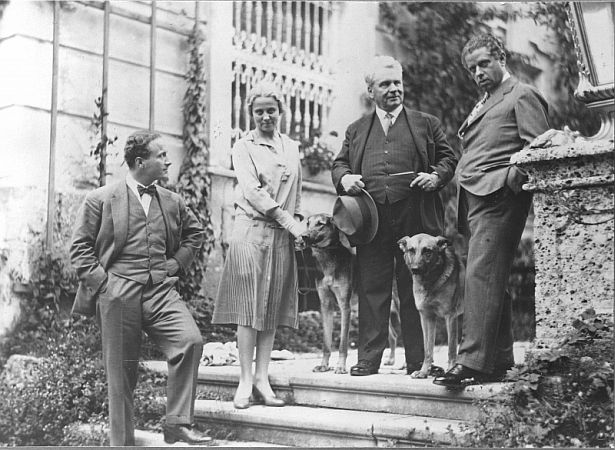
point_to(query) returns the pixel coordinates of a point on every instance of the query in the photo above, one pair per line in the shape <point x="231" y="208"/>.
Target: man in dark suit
<point x="391" y="140"/>
<point x="492" y="208"/>
<point x="131" y="241"/>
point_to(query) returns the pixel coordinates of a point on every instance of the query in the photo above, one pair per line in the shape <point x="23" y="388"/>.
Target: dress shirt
<point x="145" y="199"/>
<point x="381" y="113"/>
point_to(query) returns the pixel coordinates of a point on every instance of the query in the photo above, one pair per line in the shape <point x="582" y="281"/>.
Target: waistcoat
<point x="144" y="252"/>
<point x="388" y="154"/>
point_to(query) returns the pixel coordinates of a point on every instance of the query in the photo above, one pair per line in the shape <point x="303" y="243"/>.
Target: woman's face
<point x="266" y="113"/>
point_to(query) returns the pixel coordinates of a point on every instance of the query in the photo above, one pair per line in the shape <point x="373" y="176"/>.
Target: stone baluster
<point x="288" y="38"/>
<point x="315" y="111"/>
<point x="237" y="101"/>
<point x="324" y="49"/>
<point x="297" y="112"/>
<point x="237" y="21"/>
<point x="258" y="13"/>
<point x="269" y="22"/>
<point x="316" y="30"/>
<point x="298" y="30"/>
<point x="306" y="110"/>
<point x="248" y="20"/>
<point x="307" y="28"/>
<point x="279" y="18"/>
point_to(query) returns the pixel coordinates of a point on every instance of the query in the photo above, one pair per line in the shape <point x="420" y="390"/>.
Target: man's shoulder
<point x="520" y="88"/>
<point x="414" y="114"/>
<point x="168" y="193"/>
<point x="104" y="192"/>
<point x="362" y="121"/>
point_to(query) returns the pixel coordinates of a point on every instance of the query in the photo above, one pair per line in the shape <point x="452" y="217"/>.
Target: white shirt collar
<point x="132" y="184"/>
<point x="381" y="113"/>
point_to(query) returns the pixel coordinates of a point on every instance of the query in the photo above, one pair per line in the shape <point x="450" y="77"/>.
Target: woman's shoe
<point x="267" y="401"/>
<point x="241" y="403"/>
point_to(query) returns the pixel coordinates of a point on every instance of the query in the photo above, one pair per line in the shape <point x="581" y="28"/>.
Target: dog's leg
<point x="327" y="311"/>
<point x="451" y="331"/>
<point x="343" y="301"/>
<point x="394" y="326"/>
<point x="428" y="323"/>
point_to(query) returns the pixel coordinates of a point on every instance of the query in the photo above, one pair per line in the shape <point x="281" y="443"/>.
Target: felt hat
<point x="357" y="217"/>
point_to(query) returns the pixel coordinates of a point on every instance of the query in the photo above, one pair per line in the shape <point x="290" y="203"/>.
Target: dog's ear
<point x="442" y="242"/>
<point x="345" y="242"/>
<point x="403" y="243"/>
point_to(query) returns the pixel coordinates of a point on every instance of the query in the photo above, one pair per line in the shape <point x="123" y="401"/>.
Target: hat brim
<point x="367" y="235"/>
<point x="363" y="204"/>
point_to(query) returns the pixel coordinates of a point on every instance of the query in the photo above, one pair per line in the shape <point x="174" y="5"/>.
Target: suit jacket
<point x="435" y="154"/>
<point x="101" y="230"/>
<point x="512" y="117"/>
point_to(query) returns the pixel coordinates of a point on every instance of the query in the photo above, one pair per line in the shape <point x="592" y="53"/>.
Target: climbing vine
<point x="194" y="183"/>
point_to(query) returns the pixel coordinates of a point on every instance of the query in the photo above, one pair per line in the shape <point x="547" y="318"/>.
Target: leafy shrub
<point x="560" y="397"/>
<point x="65" y="387"/>
<point x="315" y="154"/>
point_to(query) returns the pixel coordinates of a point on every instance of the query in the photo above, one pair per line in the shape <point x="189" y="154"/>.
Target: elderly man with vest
<point x="400" y="158"/>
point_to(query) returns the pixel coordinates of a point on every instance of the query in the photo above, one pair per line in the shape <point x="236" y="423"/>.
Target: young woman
<point x="258" y="287"/>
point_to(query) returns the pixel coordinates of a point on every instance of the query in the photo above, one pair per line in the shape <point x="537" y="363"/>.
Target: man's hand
<point x="352" y="184"/>
<point x="172" y="266"/>
<point x="426" y="181"/>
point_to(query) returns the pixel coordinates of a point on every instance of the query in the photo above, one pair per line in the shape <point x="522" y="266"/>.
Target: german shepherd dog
<point x="438" y="275"/>
<point x="335" y="258"/>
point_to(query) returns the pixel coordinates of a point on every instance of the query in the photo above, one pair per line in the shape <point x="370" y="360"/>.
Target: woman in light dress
<point x="258" y="287"/>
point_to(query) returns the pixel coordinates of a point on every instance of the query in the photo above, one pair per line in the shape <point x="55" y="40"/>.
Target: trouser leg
<point x="167" y="320"/>
<point x="119" y="315"/>
<point x="495" y="223"/>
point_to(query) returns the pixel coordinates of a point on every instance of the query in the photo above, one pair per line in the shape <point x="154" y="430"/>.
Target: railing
<point x="286" y="42"/>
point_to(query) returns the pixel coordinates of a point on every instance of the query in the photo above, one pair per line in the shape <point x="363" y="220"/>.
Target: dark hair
<point x="487" y="40"/>
<point x="137" y="146"/>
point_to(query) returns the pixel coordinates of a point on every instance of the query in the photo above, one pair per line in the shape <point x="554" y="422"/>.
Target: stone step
<point x="304" y="426"/>
<point x="391" y="390"/>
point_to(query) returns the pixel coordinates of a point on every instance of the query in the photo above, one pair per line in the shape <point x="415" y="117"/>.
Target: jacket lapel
<point x="119" y="214"/>
<point x="363" y="128"/>
<point x="493" y="100"/>
<point x="166" y="206"/>
<point x="418" y="127"/>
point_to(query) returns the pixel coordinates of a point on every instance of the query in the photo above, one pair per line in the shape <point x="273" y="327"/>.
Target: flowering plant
<point x="316" y="155"/>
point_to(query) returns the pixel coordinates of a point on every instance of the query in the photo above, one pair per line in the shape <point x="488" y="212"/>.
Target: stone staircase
<point x="330" y="410"/>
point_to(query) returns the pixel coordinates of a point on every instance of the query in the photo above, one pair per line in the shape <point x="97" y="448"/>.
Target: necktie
<point x="151" y="190"/>
<point x="478" y="107"/>
<point x="388" y="121"/>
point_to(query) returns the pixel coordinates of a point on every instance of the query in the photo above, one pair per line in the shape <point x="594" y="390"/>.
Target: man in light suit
<point x="492" y="208"/>
<point x="393" y="139"/>
<point x="131" y="241"/>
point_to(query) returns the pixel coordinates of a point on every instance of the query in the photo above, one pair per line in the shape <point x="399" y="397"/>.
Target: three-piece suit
<point x="121" y="253"/>
<point x="414" y="142"/>
<point x="492" y="214"/>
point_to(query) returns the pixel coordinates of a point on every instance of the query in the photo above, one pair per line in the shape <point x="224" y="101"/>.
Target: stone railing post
<point x="572" y="179"/>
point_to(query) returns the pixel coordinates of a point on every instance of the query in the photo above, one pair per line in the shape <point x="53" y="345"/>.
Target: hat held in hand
<point x="357" y="217"/>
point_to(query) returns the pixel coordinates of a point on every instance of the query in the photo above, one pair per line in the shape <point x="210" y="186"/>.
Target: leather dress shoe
<point x="185" y="433"/>
<point x="461" y="376"/>
<point x="434" y="371"/>
<point x="363" y="368"/>
<point x="267" y="400"/>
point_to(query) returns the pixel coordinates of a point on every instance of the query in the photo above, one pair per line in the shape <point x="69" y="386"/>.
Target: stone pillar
<point x="573" y="231"/>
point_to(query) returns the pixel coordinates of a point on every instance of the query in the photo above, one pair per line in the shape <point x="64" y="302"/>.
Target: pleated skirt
<point x="258" y="286"/>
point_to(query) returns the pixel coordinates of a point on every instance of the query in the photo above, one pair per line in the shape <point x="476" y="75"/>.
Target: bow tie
<point x="151" y="190"/>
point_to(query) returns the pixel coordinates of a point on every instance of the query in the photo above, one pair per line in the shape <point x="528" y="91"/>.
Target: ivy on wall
<point x="194" y="183"/>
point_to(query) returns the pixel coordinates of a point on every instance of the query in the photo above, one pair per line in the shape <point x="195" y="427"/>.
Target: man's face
<point x="387" y="90"/>
<point x="486" y="70"/>
<point x="156" y="167"/>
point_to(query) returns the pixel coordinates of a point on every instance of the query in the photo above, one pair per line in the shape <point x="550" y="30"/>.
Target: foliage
<point x="99" y="150"/>
<point x="560" y="397"/>
<point x="65" y="387"/>
<point x="432" y="36"/>
<point x="315" y="154"/>
<point x="53" y="284"/>
<point x="570" y="111"/>
<point x="194" y="183"/>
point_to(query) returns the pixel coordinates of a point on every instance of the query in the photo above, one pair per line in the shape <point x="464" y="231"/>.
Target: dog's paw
<point x="340" y="370"/>
<point x="321" y="368"/>
<point x="418" y="374"/>
<point x="389" y="362"/>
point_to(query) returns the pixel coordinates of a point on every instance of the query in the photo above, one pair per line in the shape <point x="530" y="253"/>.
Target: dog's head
<point x="423" y="252"/>
<point x="323" y="233"/>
